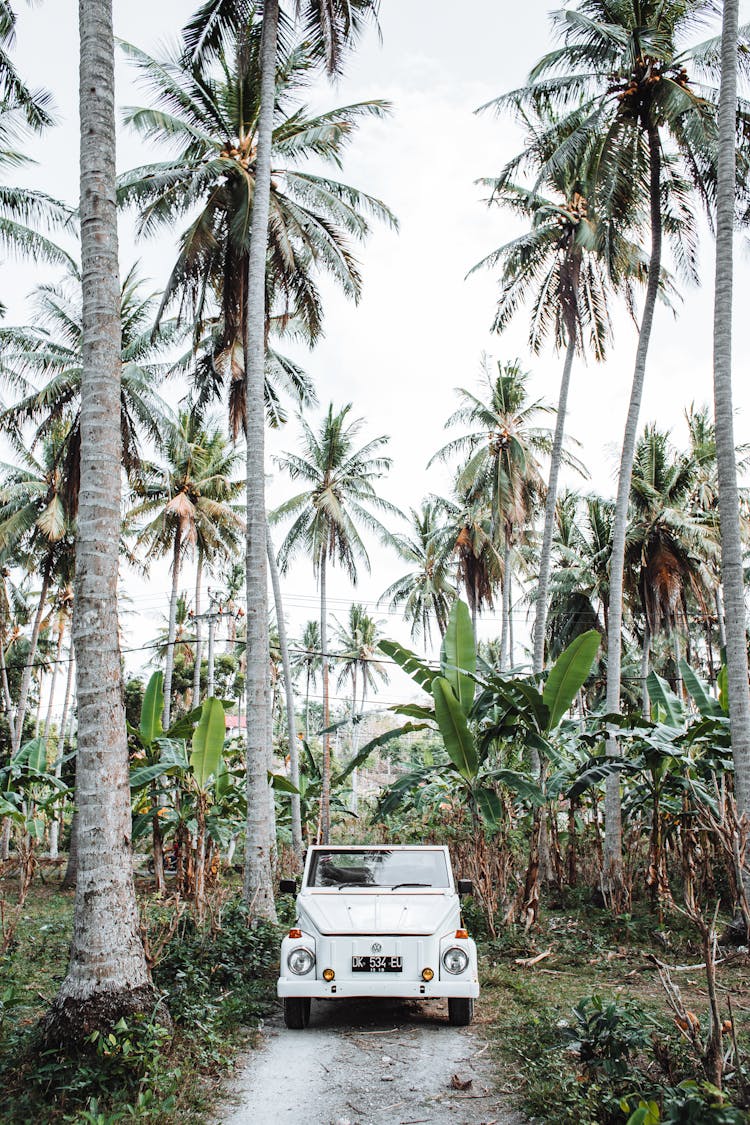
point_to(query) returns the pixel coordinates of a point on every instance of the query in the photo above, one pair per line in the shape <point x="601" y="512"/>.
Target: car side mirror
<point x="288" y="886"/>
<point x="465" y="887"/>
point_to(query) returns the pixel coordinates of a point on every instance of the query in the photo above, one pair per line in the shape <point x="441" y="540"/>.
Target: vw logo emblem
<point x="376" y="947"/>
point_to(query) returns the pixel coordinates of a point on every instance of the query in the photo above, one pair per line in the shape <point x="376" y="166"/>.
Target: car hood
<point x="391" y="913"/>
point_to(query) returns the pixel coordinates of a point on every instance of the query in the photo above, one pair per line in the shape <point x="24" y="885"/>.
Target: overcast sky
<point x="421" y="328"/>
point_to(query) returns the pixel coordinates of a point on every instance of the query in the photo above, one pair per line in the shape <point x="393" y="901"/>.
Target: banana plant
<point x="149" y="739"/>
<point x="670" y="762"/>
<point x="471" y="723"/>
<point x="28" y="787"/>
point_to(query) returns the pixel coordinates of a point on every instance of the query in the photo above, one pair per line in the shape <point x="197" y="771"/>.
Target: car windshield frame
<point x="379" y="870"/>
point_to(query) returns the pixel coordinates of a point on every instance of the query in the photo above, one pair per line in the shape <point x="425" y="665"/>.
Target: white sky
<point x="420" y="328"/>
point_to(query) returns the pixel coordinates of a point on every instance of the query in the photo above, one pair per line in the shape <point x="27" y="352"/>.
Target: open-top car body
<point x="378" y="921"/>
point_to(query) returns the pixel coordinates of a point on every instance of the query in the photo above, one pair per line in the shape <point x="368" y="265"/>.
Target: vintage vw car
<point x="378" y="921"/>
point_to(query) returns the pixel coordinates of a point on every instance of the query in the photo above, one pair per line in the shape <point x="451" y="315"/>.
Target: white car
<point x="378" y="921"/>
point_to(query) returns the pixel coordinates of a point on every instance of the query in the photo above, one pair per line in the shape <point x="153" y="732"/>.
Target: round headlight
<point x="455" y="959"/>
<point x="300" y="961"/>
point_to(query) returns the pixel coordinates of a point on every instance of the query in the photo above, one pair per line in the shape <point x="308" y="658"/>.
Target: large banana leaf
<point x="457" y="737"/>
<point x="33" y="754"/>
<point x="142" y="776"/>
<point x="281" y="784"/>
<point x="460" y="655"/>
<point x="414" y="711"/>
<point x="707" y="704"/>
<point x="208" y="742"/>
<point x="519" y="783"/>
<point x="185" y="725"/>
<point x="662" y="695"/>
<point x="490" y="806"/>
<point x="596" y="770"/>
<point x="420" y="672"/>
<point x="223" y="780"/>
<point x="568" y="675"/>
<point x="151" y="710"/>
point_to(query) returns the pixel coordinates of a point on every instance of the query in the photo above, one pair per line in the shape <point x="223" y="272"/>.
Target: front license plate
<point x="377" y="964"/>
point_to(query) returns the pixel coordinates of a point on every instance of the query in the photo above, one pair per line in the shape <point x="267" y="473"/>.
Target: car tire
<point x="297" y="1012"/>
<point x="460" y="1010"/>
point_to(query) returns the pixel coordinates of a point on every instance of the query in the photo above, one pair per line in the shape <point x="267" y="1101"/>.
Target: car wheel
<point x="297" y="1012"/>
<point x="460" y="1010"/>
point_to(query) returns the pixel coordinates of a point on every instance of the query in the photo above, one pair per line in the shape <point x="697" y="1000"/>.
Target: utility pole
<point x="216" y="612"/>
<point x="213" y="614"/>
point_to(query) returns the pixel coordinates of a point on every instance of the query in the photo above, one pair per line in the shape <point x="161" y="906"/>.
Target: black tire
<point x="460" y="1010"/>
<point x="297" y="1012"/>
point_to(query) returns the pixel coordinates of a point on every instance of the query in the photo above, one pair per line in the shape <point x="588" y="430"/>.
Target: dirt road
<point x="364" y="1063"/>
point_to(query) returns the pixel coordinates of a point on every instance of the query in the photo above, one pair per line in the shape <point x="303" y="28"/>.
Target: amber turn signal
<point x="295" y="933"/>
<point x="462" y="933"/>
<point x="427" y="974"/>
<point x="328" y="974"/>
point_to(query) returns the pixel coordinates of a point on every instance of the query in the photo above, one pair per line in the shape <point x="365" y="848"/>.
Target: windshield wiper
<point x="397" y="885"/>
<point x="345" y="886"/>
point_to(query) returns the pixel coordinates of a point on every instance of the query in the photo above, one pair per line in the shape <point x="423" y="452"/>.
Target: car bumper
<point x="403" y="989"/>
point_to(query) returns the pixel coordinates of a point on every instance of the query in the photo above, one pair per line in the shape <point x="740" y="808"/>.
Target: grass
<point x="528" y="1012"/>
<point x="218" y="986"/>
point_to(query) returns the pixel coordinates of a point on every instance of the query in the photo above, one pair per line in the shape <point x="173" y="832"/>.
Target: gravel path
<point x="390" y="1062"/>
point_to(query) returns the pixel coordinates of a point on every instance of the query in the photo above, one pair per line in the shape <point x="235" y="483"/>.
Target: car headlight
<point x="455" y="960"/>
<point x="300" y="961"/>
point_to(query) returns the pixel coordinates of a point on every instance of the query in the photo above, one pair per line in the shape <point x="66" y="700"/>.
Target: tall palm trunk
<point x="107" y="975"/>
<point x="198" y="630"/>
<point x="511" y="645"/>
<point x="23" y="694"/>
<point x="291" y="725"/>
<point x="731" y="541"/>
<point x="53" y="682"/>
<point x="612" y="875"/>
<point x="645" y="655"/>
<point x="505" y="619"/>
<point x="352" y="751"/>
<point x="54" y="828"/>
<point x="545" y="557"/>
<point x="325" y="790"/>
<point x="172" y="628"/>
<point x="7" y="701"/>
<point x="720" y="603"/>
<point x="258" y="890"/>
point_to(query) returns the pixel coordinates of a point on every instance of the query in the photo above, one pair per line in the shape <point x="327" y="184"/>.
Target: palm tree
<point x="212" y="120"/>
<point x="424" y="594"/>
<point x="729" y="510"/>
<point x="193" y="494"/>
<point x="36" y="522"/>
<point x="329" y="28"/>
<point x="465" y="537"/>
<point x="668" y="544"/>
<point x="339" y="497"/>
<point x="502" y="467"/>
<point x="107" y="976"/>
<point x="567" y="264"/>
<point x="358" y="645"/>
<point x="50" y="352"/>
<point x="621" y="75"/>
<point x="705" y="496"/>
<point x="306" y="658"/>
<point x="579" y="581"/>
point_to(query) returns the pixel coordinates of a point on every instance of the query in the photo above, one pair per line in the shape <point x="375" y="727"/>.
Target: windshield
<point x="381" y="868"/>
